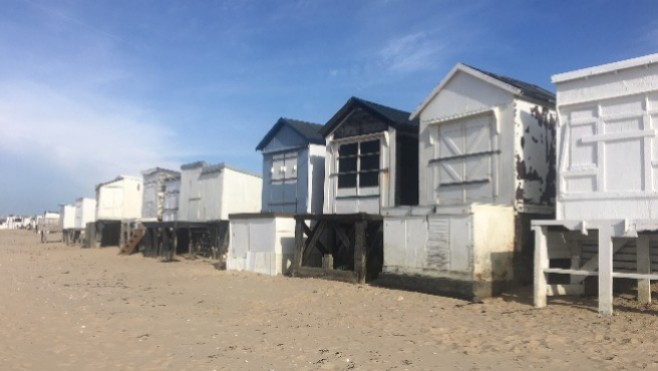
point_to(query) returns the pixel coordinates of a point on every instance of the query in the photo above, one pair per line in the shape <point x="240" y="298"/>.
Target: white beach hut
<point x="607" y="200"/>
<point x="486" y="168"/>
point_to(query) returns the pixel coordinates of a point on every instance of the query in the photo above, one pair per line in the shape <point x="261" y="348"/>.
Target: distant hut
<point x="117" y="200"/>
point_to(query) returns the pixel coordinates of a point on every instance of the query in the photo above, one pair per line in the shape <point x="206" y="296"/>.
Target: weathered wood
<point x="360" y="252"/>
<point x="136" y="236"/>
<point x="311" y="243"/>
<point x="643" y="257"/>
<point x="327" y="262"/>
<point x="300" y="228"/>
<point x="605" y="270"/>
<point x="541" y="263"/>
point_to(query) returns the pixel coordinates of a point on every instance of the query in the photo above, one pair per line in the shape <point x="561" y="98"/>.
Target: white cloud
<point x="412" y="52"/>
<point x="87" y="139"/>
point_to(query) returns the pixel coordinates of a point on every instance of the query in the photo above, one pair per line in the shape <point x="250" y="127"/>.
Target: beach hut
<point x="117" y="200"/>
<point x="486" y="168"/>
<point x="607" y="189"/>
<point x="85" y="213"/>
<point x="67" y="222"/>
<point x="371" y="163"/>
<point x="50" y="224"/>
<point x="293" y="182"/>
<point x="207" y="194"/>
<point x="153" y="202"/>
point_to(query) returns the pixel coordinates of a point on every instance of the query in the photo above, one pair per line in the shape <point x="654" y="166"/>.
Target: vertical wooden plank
<point x="643" y="257"/>
<point x="328" y="262"/>
<point x="299" y="247"/>
<point x="576" y="252"/>
<point x="360" y="250"/>
<point x="541" y="263"/>
<point x="605" y="269"/>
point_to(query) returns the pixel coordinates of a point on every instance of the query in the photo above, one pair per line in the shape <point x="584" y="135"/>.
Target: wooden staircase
<point x="136" y="236"/>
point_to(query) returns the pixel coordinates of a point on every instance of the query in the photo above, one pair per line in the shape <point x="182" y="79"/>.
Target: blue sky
<point x="93" y="89"/>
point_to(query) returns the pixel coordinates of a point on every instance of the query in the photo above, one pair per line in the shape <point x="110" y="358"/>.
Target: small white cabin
<point x="153" y="203"/>
<point x="67" y="216"/>
<point x="212" y="192"/>
<point x="85" y="212"/>
<point x="607" y="190"/>
<point x="119" y="199"/>
<point x="486" y="159"/>
<point x="171" y="197"/>
<point x="371" y="160"/>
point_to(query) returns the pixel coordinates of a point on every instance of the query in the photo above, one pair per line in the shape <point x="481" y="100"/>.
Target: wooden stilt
<point x="360" y="266"/>
<point x="643" y="267"/>
<point x="605" y="269"/>
<point x="541" y="262"/>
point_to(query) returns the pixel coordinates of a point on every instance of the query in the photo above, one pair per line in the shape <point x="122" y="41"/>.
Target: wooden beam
<point x="643" y="256"/>
<point x="360" y="255"/>
<point x="313" y="240"/>
<point x="605" y="269"/>
<point x="299" y="247"/>
<point x="541" y="264"/>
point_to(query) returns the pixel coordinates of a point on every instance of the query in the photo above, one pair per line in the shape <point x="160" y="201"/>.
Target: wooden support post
<point x="299" y="246"/>
<point x="328" y="262"/>
<point x="541" y="262"/>
<point x="360" y="266"/>
<point x="576" y="251"/>
<point x="643" y="257"/>
<point x="605" y="269"/>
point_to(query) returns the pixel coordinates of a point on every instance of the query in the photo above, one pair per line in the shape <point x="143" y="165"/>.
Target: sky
<point x="93" y="89"/>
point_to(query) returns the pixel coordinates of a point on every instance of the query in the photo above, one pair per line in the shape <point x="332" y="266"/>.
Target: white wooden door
<point x="464" y="161"/>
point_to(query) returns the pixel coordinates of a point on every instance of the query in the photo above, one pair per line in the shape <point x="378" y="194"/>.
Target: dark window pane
<point x="346" y="164"/>
<point x="347" y="181"/>
<point x="371" y="146"/>
<point x="347" y="150"/>
<point x="368" y="180"/>
<point x="370" y="162"/>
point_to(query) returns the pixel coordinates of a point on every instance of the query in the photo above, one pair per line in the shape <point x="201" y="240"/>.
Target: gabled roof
<point x="119" y="178"/>
<point x="518" y="88"/>
<point x="309" y="131"/>
<point x="605" y="68"/>
<point x="154" y="170"/>
<point x="393" y="117"/>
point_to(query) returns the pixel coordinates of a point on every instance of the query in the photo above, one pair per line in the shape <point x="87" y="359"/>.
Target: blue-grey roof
<point x="309" y="131"/>
<point x="392" y="116"/>
<point x="528" y="90"/>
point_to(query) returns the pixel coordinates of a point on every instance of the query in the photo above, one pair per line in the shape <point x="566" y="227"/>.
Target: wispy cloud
<point x="87" y="139"/>
<point x="412" y="52"/>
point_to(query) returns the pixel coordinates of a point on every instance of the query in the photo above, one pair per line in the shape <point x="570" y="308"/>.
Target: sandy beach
<point x="67" y="308"/>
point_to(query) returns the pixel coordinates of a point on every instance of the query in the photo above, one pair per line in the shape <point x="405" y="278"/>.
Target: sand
<point x="67" y="308"/>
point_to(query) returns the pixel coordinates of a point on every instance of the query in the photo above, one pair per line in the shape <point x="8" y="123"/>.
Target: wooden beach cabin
<point x="607" y="189"/>
<point x="85" y="213"/>
<point x="67" y="222"/>
<point x="153" y="203"/>
<point x="207" y="194"/>
<point x="293" y="182"/>
<point x="371" y="163"/>
<point x="486" y="168"/>
<point x="117" y="200"/>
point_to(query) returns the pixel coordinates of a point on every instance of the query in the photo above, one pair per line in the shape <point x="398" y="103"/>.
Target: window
<point x="358" y="164"/>
<point x="284" y="168"/>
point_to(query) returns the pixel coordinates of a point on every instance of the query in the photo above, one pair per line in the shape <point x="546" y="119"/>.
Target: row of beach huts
<point x="490" y="182"/>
